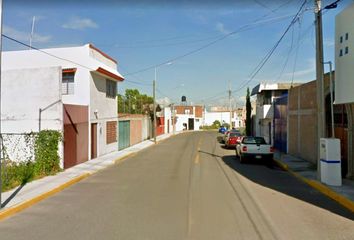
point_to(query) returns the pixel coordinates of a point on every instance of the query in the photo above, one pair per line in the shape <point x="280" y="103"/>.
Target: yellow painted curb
<point x="122" y="159"/>
<point x="11" y="211"/>
<point x="347" y="203"/>
<point x="282" y="165"/>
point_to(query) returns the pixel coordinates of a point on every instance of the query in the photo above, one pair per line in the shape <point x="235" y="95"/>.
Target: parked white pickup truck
<point x="255" y="148"/>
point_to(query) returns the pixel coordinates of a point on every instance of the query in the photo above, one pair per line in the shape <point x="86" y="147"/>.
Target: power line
<point x="270" y="53"/>
<point x="241" y="29"/>
<point x="64" y="59"/>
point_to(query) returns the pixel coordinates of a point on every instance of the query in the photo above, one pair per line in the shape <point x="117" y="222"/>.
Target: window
<point x="111" y="132"/>
<point x="187" y="111"/>
<point x="346" y="36"/>
<point x="68" y="84"/>
<point x="111" y="89"/>
<point x="340" y="52"/>
<point x="341" y="39"/>
<point x="346" y="50"/>
<point x="267" y="97"/>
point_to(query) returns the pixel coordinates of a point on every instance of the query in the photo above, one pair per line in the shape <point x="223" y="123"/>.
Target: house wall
<point x="181" y="119"/>
<point x="23" y="92"/>
<point x="136" y="131"/>
<point x="344" y="64"/>
<point x="35" y="59"/>
<point x="168" y="120"/>
<point x="222" y="117"/>
<point x="302" y="130"/>
<point x="106" y="109"/>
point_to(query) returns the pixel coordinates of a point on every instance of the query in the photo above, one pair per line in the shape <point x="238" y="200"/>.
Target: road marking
<point x="196" y="160"/>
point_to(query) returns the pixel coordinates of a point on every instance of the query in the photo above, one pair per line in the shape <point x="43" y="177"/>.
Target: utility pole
<point x="331" y="95"/>
<point x="1" y="154"/>
<point x="319" y="81"/>
<point x="230" y="105"/>
<point x="154" y="96"/>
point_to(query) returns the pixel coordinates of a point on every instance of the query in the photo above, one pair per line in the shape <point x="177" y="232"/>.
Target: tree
<point x="134" y="102"/>
<point x="248" y="113"/>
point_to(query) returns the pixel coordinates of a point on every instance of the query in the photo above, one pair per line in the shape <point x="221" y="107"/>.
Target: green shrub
<point x="15" y="174"/>
<point x="46" y="152"/>
<point x="46" y="162"/>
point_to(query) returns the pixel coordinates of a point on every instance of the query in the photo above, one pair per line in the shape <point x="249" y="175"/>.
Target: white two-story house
<point x="73" y="90"/>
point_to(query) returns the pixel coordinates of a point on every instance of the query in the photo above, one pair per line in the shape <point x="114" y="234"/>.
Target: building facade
<point x="263" y="121"/>
<point x="87" y="92"/>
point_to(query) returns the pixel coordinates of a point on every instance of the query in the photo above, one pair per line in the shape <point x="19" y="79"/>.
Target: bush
<point x="15" y="174"/>
<point x="46" y="152"/>
<point x="46" y="161"/>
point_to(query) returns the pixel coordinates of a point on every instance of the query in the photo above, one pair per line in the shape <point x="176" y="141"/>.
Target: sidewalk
<point x="22" y="197"/>
<point x="307" y="172"/>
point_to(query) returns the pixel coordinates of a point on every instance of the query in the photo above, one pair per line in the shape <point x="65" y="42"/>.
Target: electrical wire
<point x="271" y="51"/>
<point x="241" y="29"/>
<point x="67" y="60"/>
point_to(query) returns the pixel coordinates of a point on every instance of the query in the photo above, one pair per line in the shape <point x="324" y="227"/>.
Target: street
<point x="186" y="187"/>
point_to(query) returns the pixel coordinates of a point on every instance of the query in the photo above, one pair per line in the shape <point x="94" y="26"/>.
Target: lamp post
<point x="154" y="96"/>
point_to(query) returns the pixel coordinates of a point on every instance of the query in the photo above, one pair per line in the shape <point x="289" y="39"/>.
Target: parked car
<point x="232" y="138"/>
<point x="222" y="129"/>
<point x="254" y="148"/>
<point x="227" y="132"/>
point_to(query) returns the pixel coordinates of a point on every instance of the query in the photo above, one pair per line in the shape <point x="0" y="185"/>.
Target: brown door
<point x="93" y="140"/>
<point x="168" y="125"/>
<point x="69" y="146"/>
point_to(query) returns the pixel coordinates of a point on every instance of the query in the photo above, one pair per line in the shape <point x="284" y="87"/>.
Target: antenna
<point x="32" y="31"/>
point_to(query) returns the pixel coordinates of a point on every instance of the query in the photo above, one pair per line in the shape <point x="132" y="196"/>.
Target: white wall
<point x="181" y="118"/>
<point x="344" y="82"/>
<point x="35" y="59"/>
<point x="168" y="119"/>
<point x="107" y="110"/>
<point x="222" y="117"/>
<point x="23" y="92"/>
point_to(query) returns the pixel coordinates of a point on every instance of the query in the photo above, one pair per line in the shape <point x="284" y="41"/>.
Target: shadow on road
<point x="281" y="181"/>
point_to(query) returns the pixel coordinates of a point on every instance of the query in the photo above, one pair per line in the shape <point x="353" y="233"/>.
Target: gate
<point x="124" y="134"/>
<point x="280" y="123"/>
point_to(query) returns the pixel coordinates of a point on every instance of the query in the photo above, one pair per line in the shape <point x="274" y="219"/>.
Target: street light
<point x="154" y="96"/>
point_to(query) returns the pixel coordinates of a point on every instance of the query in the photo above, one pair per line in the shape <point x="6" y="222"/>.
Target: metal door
<point x="124" y="134"/>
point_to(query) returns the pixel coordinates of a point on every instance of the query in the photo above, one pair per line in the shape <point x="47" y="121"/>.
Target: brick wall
<point x="198" y="111"/>
<point x="111" y="132"/>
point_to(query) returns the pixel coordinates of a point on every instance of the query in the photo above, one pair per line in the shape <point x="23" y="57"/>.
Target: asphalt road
<point x="186" y="187"/>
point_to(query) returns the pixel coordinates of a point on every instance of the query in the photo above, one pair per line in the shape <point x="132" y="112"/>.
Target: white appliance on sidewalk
<point x="330" y="157"/>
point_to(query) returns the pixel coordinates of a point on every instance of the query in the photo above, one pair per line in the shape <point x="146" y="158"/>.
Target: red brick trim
<point x="109" y="74"/>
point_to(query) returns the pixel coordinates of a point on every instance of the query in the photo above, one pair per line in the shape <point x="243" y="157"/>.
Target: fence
<point x="18" y="147"/>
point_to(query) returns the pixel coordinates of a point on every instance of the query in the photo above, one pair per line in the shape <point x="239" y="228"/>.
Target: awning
<point x="109" y="74"/>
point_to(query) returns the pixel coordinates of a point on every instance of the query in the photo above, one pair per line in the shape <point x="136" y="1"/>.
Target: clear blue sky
<point x="141" y="34"/>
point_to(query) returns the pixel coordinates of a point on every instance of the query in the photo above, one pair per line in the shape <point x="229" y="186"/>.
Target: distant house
<point x="188" y="117"/>
<point x="223" y="116"/>
<point x="72" y="90"/>
<point x="266" y="93"/>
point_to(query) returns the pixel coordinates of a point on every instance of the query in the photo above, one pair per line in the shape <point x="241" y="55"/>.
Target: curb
<point x="320" y="187"/>
<point x="21" y="206"/>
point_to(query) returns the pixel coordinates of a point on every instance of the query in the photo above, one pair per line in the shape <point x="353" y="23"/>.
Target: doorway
<point x="93" y="140"/>
<point x="190" y="123"/>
